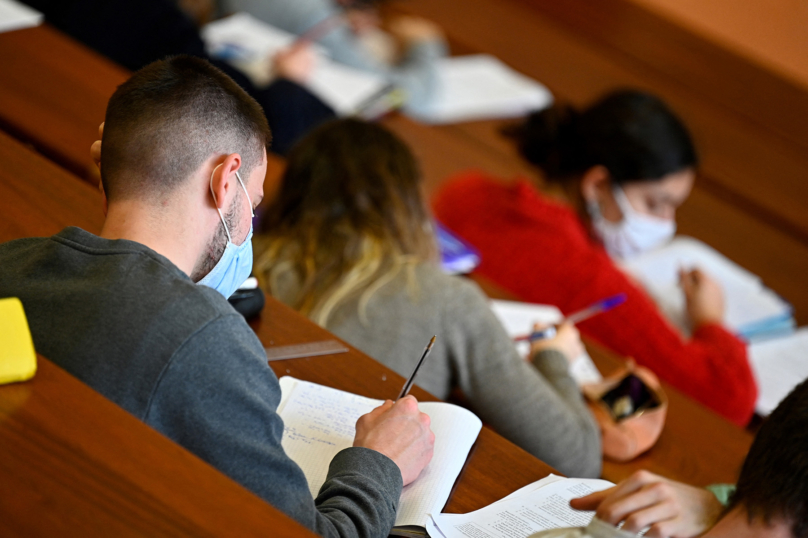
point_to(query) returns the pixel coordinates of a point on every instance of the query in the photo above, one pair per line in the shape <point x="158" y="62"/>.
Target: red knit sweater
<point x="540" y="251"/>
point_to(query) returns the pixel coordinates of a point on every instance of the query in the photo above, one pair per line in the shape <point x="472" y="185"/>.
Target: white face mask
<point x="635" y="233"/>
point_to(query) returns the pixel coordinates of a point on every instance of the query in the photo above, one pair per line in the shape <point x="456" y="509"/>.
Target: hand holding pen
<point x="594" y="309"/>
<point x="567" y="340"/>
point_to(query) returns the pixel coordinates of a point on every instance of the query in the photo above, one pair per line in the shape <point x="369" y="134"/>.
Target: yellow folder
<point x="17" y="356"/>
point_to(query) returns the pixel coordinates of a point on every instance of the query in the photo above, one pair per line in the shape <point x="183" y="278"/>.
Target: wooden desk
<point x="39" y="198"/>
<point x="75" y="464"/>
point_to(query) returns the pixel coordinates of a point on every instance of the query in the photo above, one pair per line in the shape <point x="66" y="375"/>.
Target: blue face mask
<point x="235" y="265"/>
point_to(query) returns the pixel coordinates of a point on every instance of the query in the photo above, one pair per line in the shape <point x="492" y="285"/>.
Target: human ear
<point x="595" y="184"/>
<point x="223" y="181"/>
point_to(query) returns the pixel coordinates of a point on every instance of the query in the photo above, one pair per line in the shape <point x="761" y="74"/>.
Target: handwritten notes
<point x="320" y="421"/>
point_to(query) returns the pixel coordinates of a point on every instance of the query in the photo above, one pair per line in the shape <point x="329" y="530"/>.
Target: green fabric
<point x="723" y="492"/>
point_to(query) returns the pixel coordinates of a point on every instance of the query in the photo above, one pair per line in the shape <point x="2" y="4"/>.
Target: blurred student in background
<point x="348" y="242"/>
<point x="136" y="33"/>
<point x="615" y="174"/>
<point x="405" y="50"/>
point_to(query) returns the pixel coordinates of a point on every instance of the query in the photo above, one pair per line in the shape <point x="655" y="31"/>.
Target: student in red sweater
<point x="616" y="172"/>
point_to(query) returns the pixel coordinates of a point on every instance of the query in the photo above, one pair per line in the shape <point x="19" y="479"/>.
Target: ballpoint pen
<point x="576" y="317"/>
<point x="406" y="388"/>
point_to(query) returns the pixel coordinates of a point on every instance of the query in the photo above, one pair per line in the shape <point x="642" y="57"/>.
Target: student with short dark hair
<point x="349" y="243"/>
<point x="139" y="312"/>
<point x="615" y="173"/>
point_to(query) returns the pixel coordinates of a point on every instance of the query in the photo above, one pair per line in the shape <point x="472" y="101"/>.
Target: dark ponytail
<point x="633" y="134"/>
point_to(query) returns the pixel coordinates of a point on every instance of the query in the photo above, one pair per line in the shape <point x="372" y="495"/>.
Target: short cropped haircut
<point x="168" y="119"/>
<point x="774" y="480"/>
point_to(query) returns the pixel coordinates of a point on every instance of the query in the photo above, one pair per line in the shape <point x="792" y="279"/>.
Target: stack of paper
<point x="15" y="16"/>
<point x="779" y="365"/>
<point x="249" y="44"/>
<point x="753" y="311"/>
<point x="536" y="507"/>
<point x="479" y="87"/>
<point x="518" y="319"/>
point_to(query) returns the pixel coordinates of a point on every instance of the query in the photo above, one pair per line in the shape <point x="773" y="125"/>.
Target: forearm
<point x="360" y="495"/>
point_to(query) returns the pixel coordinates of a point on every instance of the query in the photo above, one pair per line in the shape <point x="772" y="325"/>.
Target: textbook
<point x="320" y="421"/>
<point x="753" y="311"/>
<point x="479" y="87"/>
<point x="518" y="319"/>
<point x="536" y="507"/>
<point x="249" y="44"/>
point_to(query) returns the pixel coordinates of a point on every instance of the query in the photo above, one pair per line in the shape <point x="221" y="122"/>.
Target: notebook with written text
<point x="320" y="421"/>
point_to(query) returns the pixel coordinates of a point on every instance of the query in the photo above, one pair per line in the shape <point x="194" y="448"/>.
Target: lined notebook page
<point x="320" y="421"/>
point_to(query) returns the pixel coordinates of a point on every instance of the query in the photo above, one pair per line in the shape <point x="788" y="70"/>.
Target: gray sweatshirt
<point x="131" y="325"/>
<point x="537" y="406"/>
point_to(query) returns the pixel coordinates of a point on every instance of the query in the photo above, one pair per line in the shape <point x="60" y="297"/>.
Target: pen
<point x="576" y="317"/>
<point x="406" y="388"/>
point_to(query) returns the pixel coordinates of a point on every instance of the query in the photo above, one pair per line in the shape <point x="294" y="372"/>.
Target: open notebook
<point x="780" y="365"/>
<point x="478" y="87"/>
<point x="312" y="439"/>
<point x="16" y="15"/>
<point x="518" y="319"/>
<point x="753" y="311"/>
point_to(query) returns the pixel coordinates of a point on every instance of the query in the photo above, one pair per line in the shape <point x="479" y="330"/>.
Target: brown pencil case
<point x="630" y="408"/>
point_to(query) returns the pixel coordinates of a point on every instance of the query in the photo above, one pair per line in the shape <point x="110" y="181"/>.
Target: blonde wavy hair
<point x="348" y="218"/>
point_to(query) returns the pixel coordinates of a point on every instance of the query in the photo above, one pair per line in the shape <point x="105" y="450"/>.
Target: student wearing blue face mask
<point x="184" y="160"/>
<point x="614" y="175"/>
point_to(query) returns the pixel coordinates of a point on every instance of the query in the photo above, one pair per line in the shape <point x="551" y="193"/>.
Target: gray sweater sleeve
<point x="218" y="398"/>
<point x="538" y="407"/>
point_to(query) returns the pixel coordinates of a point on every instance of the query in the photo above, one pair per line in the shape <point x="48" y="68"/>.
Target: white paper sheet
<point x="748" y="301"/>
<point x="529" y="510"/>
<point x="518" y="319"/>
<point x="320" y="421"/>
<point x="479" y="86"/>
<point x="16" y="16"/>
<point x="779" y="366"/>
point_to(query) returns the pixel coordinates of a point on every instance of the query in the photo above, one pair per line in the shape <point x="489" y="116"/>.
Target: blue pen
<point x="576" y="317"/>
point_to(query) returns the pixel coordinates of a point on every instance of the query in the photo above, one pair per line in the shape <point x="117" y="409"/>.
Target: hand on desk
<point x="704" y="296"/>
<point x="646" y="500"/>
<point x="295" y="63"/>
<point x="400" y="432"/>
<point x="567" y="340"/>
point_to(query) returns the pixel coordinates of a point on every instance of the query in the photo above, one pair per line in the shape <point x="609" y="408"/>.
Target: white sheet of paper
<point x="779" y="365"/>
<point x="480" y="86"/>
<point x="518" y="319"/>
<point x="320" y="421"/>
<point x="527" y="511"/>
<point x="747" y="300"/>
<point x="16" y="16"/>
<point x="252" y="43"/>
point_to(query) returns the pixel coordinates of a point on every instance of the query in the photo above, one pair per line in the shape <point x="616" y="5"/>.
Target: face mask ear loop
<point x="249" y="200"/>
<point x="229" y="240"/>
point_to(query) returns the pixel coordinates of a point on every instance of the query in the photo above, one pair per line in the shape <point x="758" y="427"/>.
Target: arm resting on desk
<point x="218" y="398"/>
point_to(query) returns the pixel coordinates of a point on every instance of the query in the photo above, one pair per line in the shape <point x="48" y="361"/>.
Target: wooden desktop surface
<point x="75" y="464"/>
